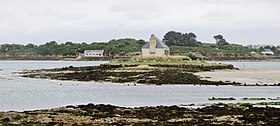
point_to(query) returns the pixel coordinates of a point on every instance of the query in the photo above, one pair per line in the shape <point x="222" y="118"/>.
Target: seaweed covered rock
<point x="146" y="74"/>
<point x="101" y="114"/>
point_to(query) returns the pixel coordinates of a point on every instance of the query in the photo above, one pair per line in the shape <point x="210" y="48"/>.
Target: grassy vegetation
<point x="231" y="98"/>
<point x="268" y="103"/>
<point x="253" y="99"/>
<point x="163" y="60"/>
<point x="209" y="50"/>
<point x="232" y="104"/>
<point x="278" y="98"/>
<point x="246" y="103"/>
<point x="236" y="104"/>
<point x="221" y="99"/>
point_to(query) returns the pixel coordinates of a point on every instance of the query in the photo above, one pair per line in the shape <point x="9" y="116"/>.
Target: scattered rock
<point x="158" y="115"/>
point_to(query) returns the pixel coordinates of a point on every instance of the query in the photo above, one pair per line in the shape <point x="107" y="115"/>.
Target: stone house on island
<point x="155" y="48"/>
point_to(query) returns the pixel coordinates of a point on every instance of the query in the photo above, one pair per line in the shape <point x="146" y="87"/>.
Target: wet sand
<point x="244" y="75"/>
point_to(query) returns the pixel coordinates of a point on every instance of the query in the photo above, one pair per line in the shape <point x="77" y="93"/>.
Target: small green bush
<point x="218" y="99"/>
<point x="194" y="56"/>
<point x="253" y="99"/>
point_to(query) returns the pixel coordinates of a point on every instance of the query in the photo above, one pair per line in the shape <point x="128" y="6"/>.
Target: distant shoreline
<point x="66" y="58"/>
<point x="244" y="59"/>
<point x="75" y="58"/>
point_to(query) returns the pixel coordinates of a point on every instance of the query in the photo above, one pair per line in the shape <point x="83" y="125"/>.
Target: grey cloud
<point x="239" y="21"/>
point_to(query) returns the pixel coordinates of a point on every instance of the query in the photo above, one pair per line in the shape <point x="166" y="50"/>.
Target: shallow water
<point x="17" y="93"/>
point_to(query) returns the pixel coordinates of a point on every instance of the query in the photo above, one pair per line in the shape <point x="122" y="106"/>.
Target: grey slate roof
<point x="159" y="44"/>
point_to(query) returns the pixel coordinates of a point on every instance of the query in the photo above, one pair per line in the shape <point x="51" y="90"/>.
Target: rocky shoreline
<point x="159" y="115"/>
<point x="134" y="73"/>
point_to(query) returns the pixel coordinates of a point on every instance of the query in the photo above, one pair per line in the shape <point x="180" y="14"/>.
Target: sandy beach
<point x="244" y="75"/>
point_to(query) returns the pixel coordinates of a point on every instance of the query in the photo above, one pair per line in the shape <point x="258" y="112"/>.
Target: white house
<point x="267" y="52"/>
<point x="93" y="53"/>
<point x="155" y="48"/>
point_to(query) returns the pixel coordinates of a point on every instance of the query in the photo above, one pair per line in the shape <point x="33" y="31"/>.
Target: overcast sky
<point x="38" y="21"/>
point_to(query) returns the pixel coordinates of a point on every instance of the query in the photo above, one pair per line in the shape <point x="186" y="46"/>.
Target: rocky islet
<point x="135" y="73"/>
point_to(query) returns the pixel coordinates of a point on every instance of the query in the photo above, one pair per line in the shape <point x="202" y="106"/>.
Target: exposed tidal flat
<point x="21" y="94"/>
<point x="249" y="74"/>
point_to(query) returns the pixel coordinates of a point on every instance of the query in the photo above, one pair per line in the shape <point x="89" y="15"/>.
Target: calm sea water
<point x="17" y="93"/>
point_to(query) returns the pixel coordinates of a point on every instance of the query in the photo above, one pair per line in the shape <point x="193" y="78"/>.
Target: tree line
<point x="187" y="44"/>
<point x="113" y="47"/>
<point x="179" y="43"/>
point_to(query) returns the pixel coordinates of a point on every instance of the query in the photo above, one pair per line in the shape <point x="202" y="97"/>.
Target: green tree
<point x="3" y="48"/>
<point x="43" y="51"/>
<point x="267" y="47"/>
<point x="172" y="38"/>
<point x="30" y="45"/>
<point x="180" y="39"/>
<point x="192" y="36"/>
<point x="218" y="37"/>
<point x="273" y="48"/>
<point x="123" y="46"/>
<point x="220" y="41"/>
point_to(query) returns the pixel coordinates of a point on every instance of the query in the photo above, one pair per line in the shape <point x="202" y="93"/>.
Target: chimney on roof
<point x="153" y="44"/>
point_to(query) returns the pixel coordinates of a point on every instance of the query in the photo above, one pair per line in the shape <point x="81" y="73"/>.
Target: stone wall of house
<point x="145" y="52"/>
<point x="159" y="52"/>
